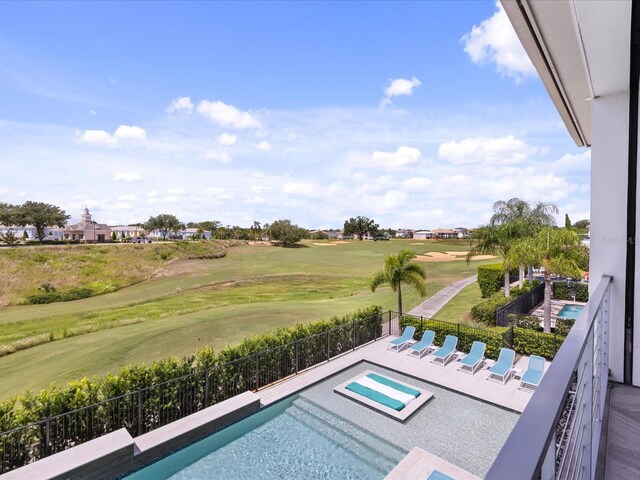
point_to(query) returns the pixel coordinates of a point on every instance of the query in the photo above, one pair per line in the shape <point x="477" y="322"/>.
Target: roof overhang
<point x="581" y="50"/>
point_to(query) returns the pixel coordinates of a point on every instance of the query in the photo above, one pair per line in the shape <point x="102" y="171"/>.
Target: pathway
<point x="431" y="305"/>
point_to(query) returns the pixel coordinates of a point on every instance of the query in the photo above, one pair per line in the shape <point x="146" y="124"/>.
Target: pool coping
<point x="402" y="415"/>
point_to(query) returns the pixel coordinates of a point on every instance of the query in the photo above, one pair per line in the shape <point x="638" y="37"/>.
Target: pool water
<point x="319" y="434"/>
<point x="570" y="312"/>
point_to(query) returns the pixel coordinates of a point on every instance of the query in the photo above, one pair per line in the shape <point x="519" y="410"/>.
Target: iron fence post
<point x="257" y="371"/>
<point x="555" y="348"/>
<point x="206" y="388"/>
<point x="353" y="334"/>
<point x="297" y="349"/>
<point x="47" y="434"/>
<point x="458" y="329"/>
<point x="513" y="334"/>
<point x="139" y="412"/>
<point x="421" y="323"/>
<point x="328" y="350"/>
<point x="389" y="322"/>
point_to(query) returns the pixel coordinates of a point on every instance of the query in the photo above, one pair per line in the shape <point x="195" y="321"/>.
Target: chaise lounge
<point x="447" y="351"/>
<point x="424" y="345"/>
<point x="474" y="360"/>
<point x="503" y="368"/>
<point x="531" y="378"/>
<point x="404" y="340"/>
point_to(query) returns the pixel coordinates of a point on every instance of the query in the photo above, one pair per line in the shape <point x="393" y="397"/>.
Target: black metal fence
<point x="523" y="304"/>
<point x="149" y="408"/>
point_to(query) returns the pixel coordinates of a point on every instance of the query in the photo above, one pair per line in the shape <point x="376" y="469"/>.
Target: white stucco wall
<point x="609" y="160"/>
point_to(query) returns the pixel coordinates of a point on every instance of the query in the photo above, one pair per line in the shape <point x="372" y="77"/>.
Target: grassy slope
<point x="25" y="269"/>
<point x="256" y="295"/>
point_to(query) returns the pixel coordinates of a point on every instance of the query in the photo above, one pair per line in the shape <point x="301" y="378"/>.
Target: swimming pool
<point x="570" y="312"/>
<point x="318" y="434"/>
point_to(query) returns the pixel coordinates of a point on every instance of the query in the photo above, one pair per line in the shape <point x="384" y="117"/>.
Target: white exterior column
<point x="609" y="168"/>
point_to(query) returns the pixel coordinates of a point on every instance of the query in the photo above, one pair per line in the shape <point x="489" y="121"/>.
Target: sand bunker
<point x="448" y="257"/>
<point x="339" y="242"/>
<point x="325" y="244"/>
<point x="417" y="243"/>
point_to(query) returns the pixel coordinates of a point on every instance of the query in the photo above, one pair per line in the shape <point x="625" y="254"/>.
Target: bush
<point x="562" y="291"/>
<point x="485" y="311"/>
<point x="563" y="325"/>
<point x="490" y="279"/>
<point x="529" y="322"/>
<point x="528" y="342"/>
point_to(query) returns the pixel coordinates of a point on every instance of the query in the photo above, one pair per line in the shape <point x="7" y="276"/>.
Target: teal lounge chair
<point x="438" y="475"/>
<point x="423" y="346"/>
<point x="401" y="342"/>
<point x="503" y="368"/>
<point x="531" y="378"/>
<point x="474" y="360"/>
<point x="447" y="351"/>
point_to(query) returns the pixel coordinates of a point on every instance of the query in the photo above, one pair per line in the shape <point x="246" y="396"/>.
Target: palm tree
<point x="399" y="269"/>
<point x="558" y="251"/>
<point x="532" y="220"/>
<point x="496" y="240"/>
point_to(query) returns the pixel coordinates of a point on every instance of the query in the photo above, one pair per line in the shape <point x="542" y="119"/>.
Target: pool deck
<point x="477" y="385"/>
<point x="418" y="465"/>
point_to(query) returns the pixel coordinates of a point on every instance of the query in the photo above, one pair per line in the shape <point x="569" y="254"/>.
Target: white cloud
<point x="264" y="146"/>
<point x="102" y="137"/>
<point x="399" y="86"/>
<point x="260" y="189"/>
<point x="300" y="189"/>
<point x="127" y="177"/>
<point x="127" y="198"/>
<point x="403" y="157"/>
<point x="227" y="139"/>
<point x="219" y="193"/>
<point x="569" y="163"/>
<point x="221" y="157"/>
<point x="253" y="201"/>
<point x="493" y="151"/>
<point x="96" y="137"/>
<point x="130" y="132"/>
<point x="417" y="183"/>
<point x="6" y="193"/>
<point x="495" y="41"/>
<point x="176" y="192"/>
<point x="181" y="104"/>
<point x="92" y="112"/>
<point x="153" y="194"/>
<point x="227" y="115"/>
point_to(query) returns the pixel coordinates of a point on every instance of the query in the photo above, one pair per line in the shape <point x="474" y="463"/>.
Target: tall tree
<point x="558" y="250"/>
<point x="286" y="232"/>
<point x="528" y="219"/>
<point x="9" y="214"/>
<point x="399" y="269"/>
<point x="360" y="226"/>
<point x="567" y="221"/>
<point x="256" y="230"/>
<point x="41" y="215"/>
<point x="163" y="223"/>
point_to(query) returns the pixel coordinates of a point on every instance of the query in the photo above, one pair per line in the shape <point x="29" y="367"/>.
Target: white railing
<point x="558" y="433"/>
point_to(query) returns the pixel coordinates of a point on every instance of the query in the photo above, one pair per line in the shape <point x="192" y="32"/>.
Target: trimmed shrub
<point x="529" y="322"/>
<point x="485" y="311"/>
<point x="563" y="325"/>
<point x="561" y="291"/>
<point x="527" y="342"/>
<point x="490" y="279"/>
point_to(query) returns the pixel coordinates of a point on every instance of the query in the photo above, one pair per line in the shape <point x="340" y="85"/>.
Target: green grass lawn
<point x="253" y="289"/>
<point x="458" y="308"/>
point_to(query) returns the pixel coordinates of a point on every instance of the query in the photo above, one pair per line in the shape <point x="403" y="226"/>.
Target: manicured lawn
<point x="458" y="308"/>
<point x="196" y="302"/>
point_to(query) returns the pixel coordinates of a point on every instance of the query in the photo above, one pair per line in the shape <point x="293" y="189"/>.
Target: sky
<point x="415" y="114"/>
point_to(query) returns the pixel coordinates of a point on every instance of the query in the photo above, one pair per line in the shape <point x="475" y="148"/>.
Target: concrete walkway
<point x="431" y="305"/>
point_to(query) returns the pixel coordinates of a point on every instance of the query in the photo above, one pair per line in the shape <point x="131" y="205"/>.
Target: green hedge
<point x="527" y="342"/>
<point x="197" y="380"/>
<point x="490" y="279"/>
<point x="524" y="341"/>
<point x="561" y="291"/>
<point x="485" y="311"/>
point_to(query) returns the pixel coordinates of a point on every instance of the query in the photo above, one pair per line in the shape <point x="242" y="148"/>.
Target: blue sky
<point x="416" y="114"/>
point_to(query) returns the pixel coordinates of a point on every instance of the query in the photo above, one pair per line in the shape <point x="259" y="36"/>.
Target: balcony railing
<point x="558" y="433"/>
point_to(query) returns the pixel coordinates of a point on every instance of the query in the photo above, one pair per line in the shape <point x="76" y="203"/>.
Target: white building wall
<point x="609" y="164"/>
